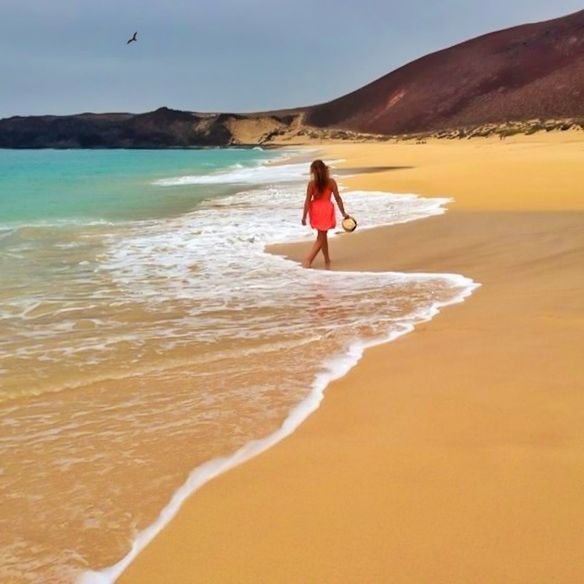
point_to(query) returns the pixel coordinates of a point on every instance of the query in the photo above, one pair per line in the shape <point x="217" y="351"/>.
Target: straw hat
<point x="349" y="224"/>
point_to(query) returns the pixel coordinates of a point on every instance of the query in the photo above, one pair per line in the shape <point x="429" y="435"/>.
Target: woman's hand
<point x="303" y="220"/>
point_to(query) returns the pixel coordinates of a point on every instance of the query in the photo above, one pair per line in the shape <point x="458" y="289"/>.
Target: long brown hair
<point x="321" y="176"/>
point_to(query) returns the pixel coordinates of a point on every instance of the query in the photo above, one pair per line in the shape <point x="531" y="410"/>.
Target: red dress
<point x="322" y="211"/>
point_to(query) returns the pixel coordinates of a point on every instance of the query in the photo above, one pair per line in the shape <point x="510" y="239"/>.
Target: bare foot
<point x="327" y="265"/>
<point x="305" y="264"/>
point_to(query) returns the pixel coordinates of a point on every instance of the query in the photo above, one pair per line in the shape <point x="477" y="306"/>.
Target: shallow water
<point x="137" y="346"/>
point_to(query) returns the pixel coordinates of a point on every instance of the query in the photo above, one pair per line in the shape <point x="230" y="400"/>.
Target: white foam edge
<point x="334" y="369"/>
<point x="288" y="160"/>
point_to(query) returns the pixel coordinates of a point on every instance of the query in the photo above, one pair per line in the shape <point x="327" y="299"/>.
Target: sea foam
<point x="237" y="229"/>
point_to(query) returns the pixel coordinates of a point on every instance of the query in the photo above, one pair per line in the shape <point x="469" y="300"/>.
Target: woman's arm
<point x="338" y="198"/>
<point x="306" y="203"/>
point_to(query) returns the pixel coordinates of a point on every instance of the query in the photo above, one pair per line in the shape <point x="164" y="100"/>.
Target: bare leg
<point x="315" y="249"/>
<point x="325" y="250"/>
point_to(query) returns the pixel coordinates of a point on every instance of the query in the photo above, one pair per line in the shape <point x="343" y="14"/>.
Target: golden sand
<point x="456" y="453"/>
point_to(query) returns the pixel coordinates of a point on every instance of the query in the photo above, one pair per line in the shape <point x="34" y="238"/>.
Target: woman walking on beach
<point x="321" y="210"/>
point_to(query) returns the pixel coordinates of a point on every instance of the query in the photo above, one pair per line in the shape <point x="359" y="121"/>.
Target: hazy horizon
<point x="68" y="58"/>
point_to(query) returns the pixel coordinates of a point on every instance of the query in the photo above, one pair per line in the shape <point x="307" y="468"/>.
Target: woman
<point x="320" y="208"/>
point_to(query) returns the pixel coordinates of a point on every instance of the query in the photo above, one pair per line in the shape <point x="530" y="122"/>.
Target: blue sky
<point x="66" y="56"/>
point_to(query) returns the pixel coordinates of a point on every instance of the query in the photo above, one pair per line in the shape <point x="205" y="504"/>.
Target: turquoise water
<point x="92" y="185"/>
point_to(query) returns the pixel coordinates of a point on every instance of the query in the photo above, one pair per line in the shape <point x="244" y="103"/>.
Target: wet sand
<point x="454" y="454"/>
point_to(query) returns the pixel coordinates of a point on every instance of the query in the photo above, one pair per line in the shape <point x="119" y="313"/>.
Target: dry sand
<point x="456" y="453"/>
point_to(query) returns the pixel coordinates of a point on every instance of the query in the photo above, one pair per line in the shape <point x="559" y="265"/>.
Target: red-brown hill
<point x="524" y="72"/>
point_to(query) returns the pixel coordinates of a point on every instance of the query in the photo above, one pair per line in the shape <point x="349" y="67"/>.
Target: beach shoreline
<point x="483" y="237"/>
<point x="335" y="366"/>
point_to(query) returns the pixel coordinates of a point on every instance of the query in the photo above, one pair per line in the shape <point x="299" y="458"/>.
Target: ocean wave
<point x="375" y="209"/>
<point x="163" y="310"/>
<point x="333" y="368"/>
<point x="239" y="174"/>
<point x="237" y="228"/>
<point x="8" y="228"/>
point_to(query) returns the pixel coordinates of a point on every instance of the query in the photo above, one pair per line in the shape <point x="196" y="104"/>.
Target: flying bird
<point x="133" y="39"/>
